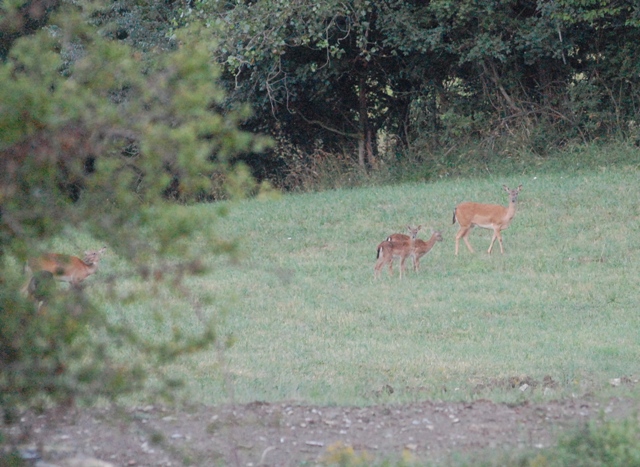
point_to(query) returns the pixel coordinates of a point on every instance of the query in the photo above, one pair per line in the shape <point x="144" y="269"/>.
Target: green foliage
<point x="95" y="138"/>
<point x="339" y="454"/>
<point x="524" y="76"/>
<point x="338" y="77"/>
<point x="604" y="443"/>
<point x="47" y="355"/>
<point x="138" y="23"/>
<point x="601" y="443"/>
<point x="319" y="69"/>
<point x="596" y="12"/>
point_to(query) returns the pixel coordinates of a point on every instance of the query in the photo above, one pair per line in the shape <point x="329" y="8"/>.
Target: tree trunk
<point x="366" y="158"/>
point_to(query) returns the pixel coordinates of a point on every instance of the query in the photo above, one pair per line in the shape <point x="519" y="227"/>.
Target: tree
<point x="343" y="71"/>
<point x="339" y="72"/>
<point x="96" y="137"/>
<point x="310" y="68"/>
<point x="600" y="37"/>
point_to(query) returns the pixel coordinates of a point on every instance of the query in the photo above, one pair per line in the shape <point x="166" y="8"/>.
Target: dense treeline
<point x="400" y="79"/>
<point x="430" y="76"/>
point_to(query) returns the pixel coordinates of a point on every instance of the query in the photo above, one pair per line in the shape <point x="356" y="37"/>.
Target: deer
<point x="398" y="237"/>
<point x="395" y="246"/>
<point x="421" y="248"/>
<point x="487" y="216"/>
<point x="65" y="268"/>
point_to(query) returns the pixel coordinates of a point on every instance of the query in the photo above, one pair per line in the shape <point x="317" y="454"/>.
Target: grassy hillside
<point x="556" y="315"/>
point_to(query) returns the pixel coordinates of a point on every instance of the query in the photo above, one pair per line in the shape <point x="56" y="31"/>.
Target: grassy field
<point x="558" y="311"/>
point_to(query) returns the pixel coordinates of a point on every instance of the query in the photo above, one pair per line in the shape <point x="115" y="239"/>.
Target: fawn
<point x="421" y="248"/>
<point x="395" y="246"/>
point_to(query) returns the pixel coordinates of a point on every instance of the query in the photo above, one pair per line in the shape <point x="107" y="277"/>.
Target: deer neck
<point x="511" y="210"/>
<point x="90" y="267"/>
<point x="425" y="245"/>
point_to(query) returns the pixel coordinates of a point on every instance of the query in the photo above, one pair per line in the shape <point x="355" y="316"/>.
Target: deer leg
<point x="379" y="264"/>
<point x="493" y="239"/>
<point x="402" y="266"/>
<point x="500" y="240"/>
<point x="465" y="237"/>
<point x="460" y="234"/>
<point x="496" y="234"/>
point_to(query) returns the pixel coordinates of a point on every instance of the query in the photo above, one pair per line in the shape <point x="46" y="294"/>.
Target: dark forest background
<point x="367" y="86"/>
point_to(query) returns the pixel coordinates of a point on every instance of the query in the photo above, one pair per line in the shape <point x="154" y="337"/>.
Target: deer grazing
<point x="66" y="268"/>
<point x="487" y="216"/>
<point x="395" y="246"/>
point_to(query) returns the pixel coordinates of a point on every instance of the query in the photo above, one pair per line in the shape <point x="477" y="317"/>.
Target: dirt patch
<point x="289" y="434"/>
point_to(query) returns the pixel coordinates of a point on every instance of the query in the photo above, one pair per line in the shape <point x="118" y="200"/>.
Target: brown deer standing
<point x="395" y="246"/>
<point x="487" y="216"/>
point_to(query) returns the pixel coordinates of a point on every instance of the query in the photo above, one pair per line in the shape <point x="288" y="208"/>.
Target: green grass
<point x="310" y="323"/>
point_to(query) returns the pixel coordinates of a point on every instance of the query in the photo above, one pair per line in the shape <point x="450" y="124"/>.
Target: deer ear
<point x="506" y="188"/>
<point x="519" y="187"/>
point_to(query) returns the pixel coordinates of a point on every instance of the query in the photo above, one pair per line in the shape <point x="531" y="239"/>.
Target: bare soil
<point x="291" y="434"/>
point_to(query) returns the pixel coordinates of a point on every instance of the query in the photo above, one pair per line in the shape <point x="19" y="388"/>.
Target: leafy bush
<point x="596" y="444"/>
<point x="94" y="141"/>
